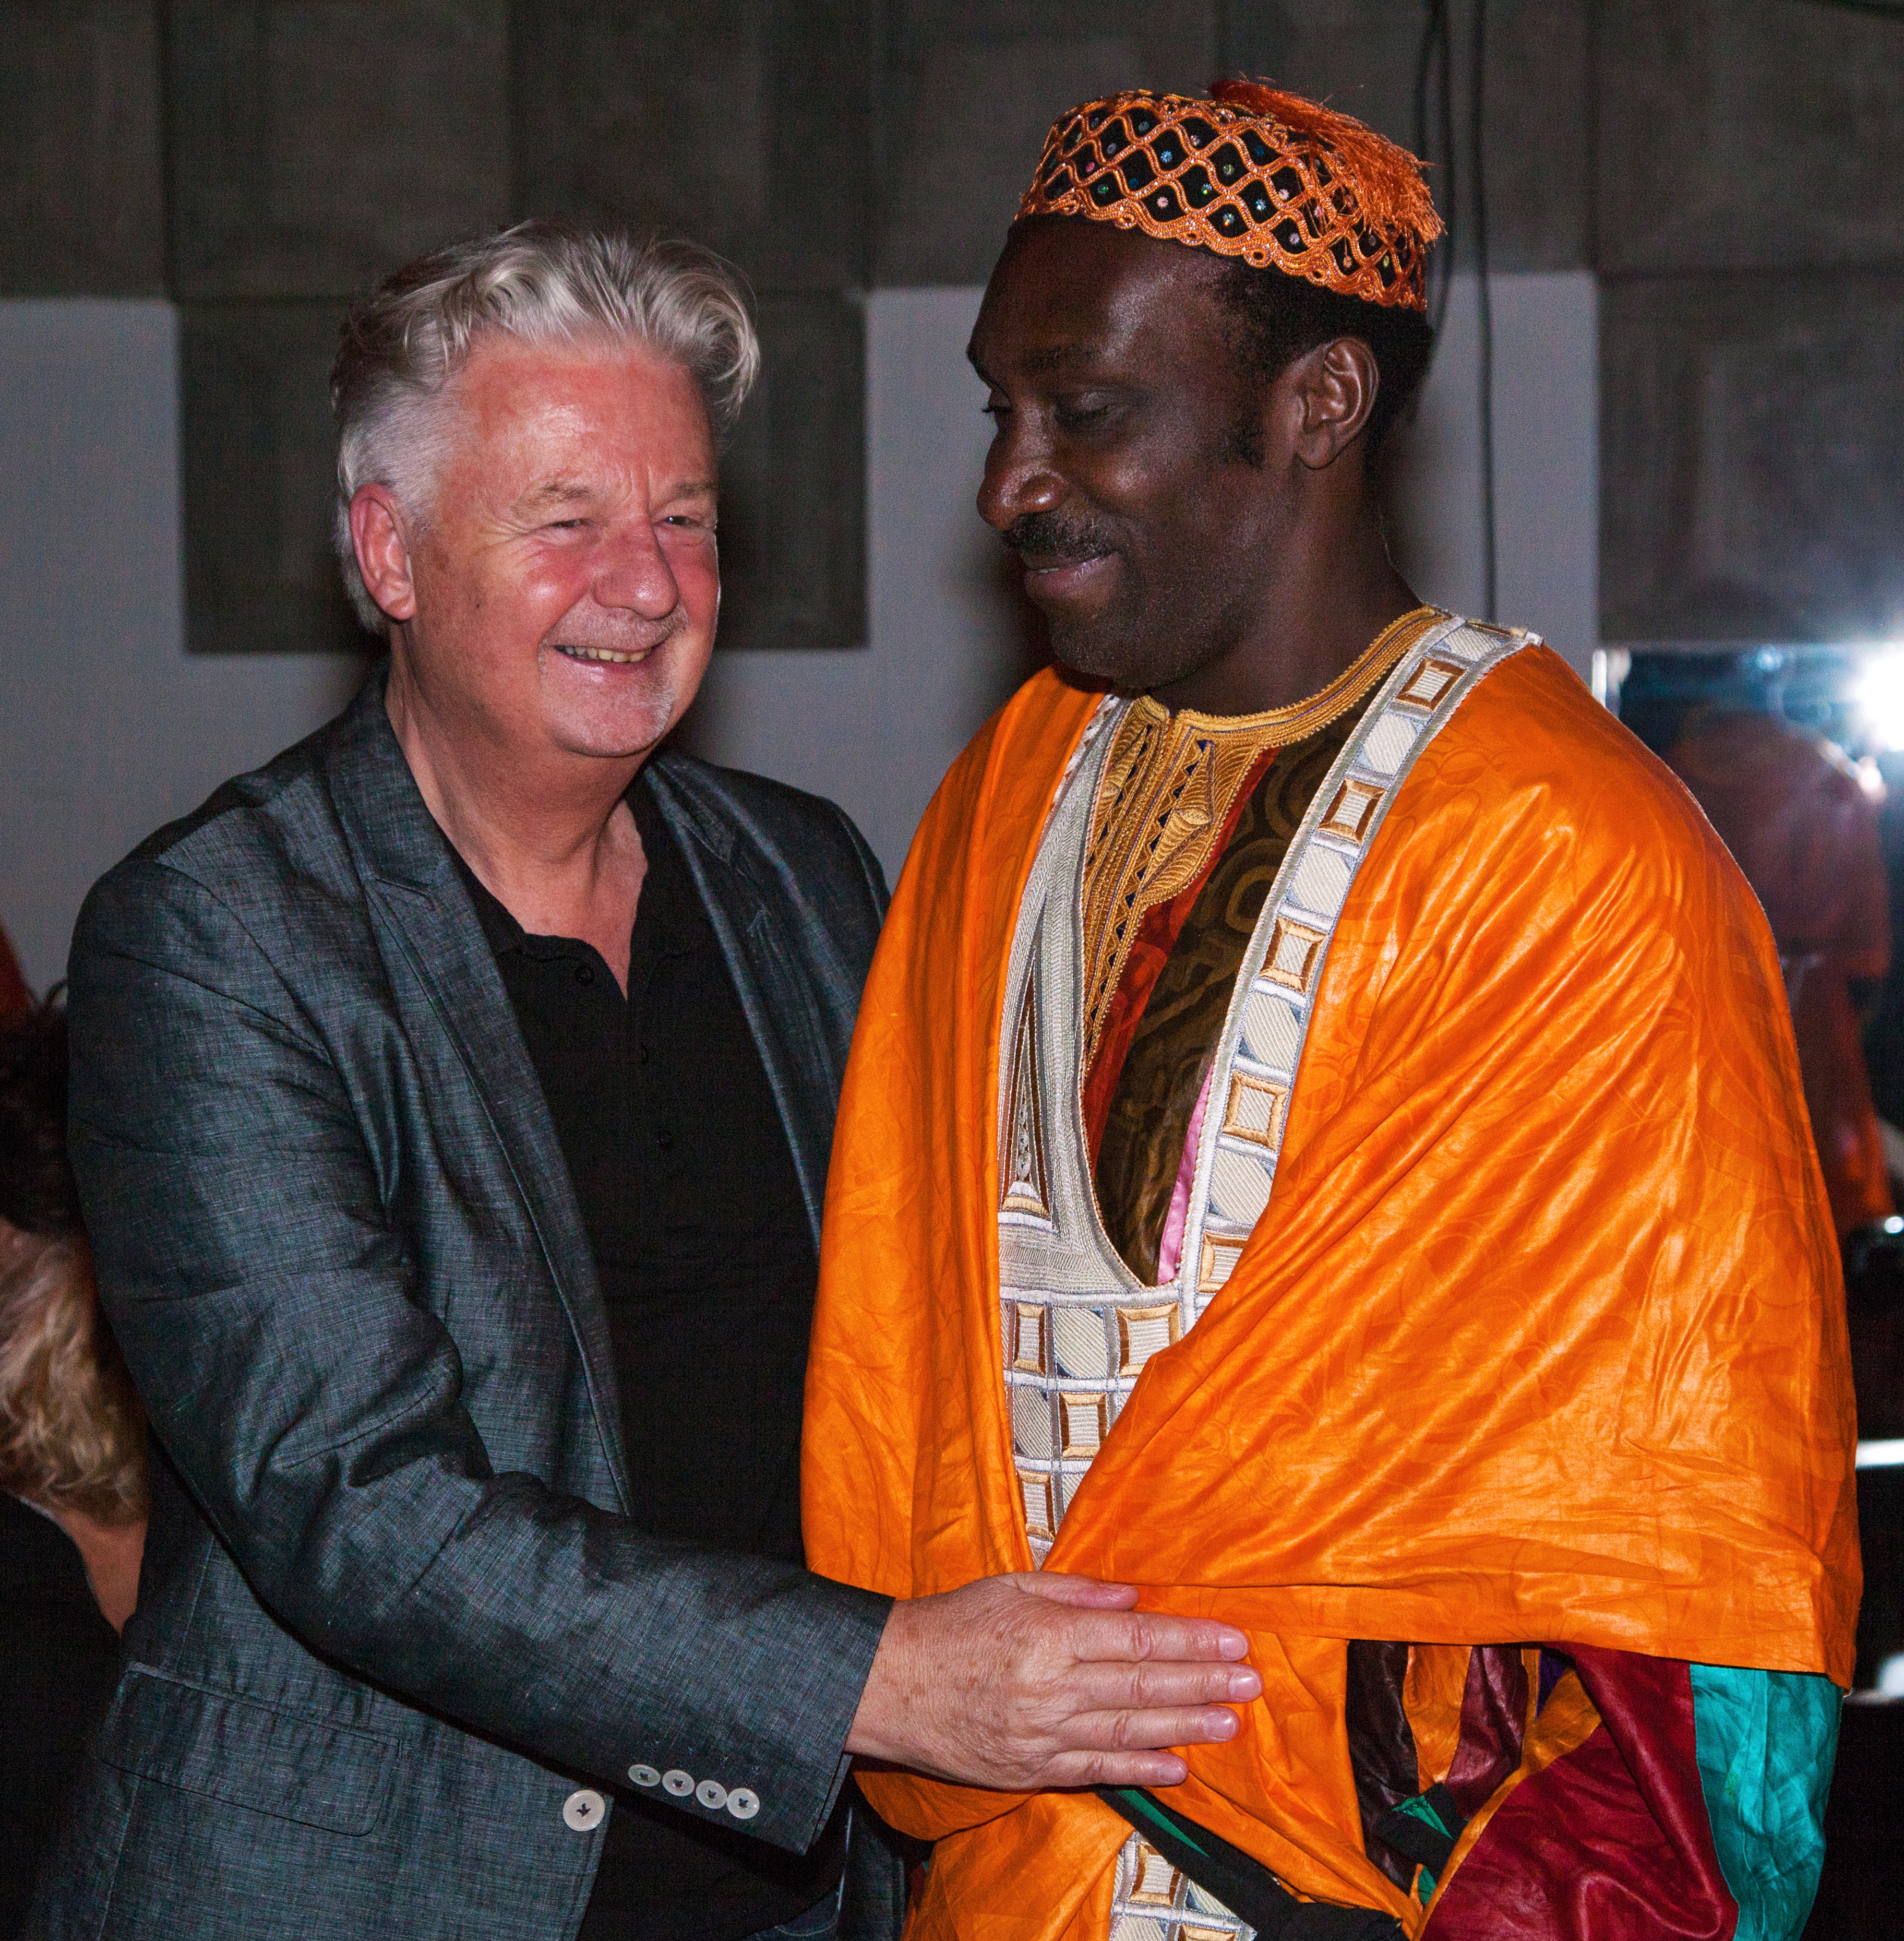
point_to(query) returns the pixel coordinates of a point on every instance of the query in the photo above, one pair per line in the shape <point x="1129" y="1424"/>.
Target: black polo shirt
<point x="705" y="1256"/>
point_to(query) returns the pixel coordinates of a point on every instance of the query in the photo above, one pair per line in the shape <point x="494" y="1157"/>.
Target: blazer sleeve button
<point x="678" y="1784"/>
<point x="711" y="1794"/>
<point x="583" y="1811"/>
<point x="644" y="1775"/>
<point x="742" y="1804"/>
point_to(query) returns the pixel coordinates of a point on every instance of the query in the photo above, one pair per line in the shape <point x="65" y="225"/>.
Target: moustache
<point x="1057" y="535"/>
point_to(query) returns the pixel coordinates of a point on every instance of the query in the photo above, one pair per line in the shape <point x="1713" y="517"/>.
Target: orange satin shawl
<point x="1541" y="1337"/>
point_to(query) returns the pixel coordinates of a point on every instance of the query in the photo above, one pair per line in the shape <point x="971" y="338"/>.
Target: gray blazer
<point x="394" y="1617"/>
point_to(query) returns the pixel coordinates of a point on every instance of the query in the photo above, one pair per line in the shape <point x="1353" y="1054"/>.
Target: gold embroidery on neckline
<point x="1168" y="789"/>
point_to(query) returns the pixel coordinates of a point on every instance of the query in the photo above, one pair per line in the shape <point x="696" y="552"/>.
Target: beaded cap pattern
<point x="1280" y="181"/>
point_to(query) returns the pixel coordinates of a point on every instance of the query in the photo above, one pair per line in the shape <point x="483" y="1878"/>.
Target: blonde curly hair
<point x="72" y="1435"/>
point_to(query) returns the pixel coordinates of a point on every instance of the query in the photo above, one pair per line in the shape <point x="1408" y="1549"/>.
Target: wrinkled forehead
<point x="615" y="401"/>
<point x="1065" y="293"/>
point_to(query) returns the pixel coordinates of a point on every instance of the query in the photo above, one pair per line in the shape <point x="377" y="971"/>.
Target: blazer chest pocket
<point x="335" y="1777"/>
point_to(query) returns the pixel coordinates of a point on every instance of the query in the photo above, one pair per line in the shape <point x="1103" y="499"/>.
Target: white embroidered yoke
<point x="1079" y="1327"/>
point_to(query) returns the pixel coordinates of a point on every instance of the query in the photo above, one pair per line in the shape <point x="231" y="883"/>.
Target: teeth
<point x="599" y="654"/>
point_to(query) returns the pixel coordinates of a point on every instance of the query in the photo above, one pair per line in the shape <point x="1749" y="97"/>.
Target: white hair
<point x="545" y="283"/>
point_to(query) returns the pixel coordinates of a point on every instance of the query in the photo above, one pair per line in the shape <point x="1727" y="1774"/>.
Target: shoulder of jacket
<point x="732" y="810"/>
<point x="258" y="841"/>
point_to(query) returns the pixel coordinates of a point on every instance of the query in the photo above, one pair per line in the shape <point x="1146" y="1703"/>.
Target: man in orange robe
<point x="1323" y="1143"/>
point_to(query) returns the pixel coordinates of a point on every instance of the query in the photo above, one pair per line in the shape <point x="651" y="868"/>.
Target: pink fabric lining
<point x="1170" y="1248"/>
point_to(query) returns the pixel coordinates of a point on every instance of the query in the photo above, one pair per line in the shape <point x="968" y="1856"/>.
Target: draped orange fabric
<point x="1540" y="1338"/>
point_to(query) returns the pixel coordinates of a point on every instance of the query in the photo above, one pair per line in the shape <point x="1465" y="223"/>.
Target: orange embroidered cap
<point x="1281" y="182"/>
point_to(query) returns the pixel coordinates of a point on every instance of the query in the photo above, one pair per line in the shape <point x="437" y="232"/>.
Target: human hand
<point x="1028" y="1681"/>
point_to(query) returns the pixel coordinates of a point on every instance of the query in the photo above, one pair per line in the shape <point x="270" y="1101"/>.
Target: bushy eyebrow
<point x="1037" y="363"/>
<point x="1057" y="357"/>
<point x="557" y="492"/>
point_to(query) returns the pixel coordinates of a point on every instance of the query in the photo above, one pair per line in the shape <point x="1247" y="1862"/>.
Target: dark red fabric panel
<point x="1612" y="1842"/>
<point x="1494" y="1721"/>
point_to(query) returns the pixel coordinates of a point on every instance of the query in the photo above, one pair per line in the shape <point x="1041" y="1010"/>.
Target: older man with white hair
<point x="451" y="1105"/>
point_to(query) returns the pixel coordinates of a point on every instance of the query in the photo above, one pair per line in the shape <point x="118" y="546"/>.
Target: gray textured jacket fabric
<point x="394" y="1615"/>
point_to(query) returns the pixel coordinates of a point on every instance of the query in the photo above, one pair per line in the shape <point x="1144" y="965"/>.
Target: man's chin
<point x="622" y="732"/>
<point x="1106" y="660"/>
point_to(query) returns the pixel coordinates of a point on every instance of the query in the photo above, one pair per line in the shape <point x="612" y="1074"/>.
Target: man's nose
<point x="1020" y="477"/>
<point x="633" y="573"/>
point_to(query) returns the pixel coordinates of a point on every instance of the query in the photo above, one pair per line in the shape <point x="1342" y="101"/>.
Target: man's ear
<point x="380" y="537"/>
<point x="1335" y="386"/>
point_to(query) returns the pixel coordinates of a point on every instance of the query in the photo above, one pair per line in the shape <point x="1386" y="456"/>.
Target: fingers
<point x="1133" y="1748"/>
<point x="1155" y="1730"/>
<point x="1146" y="1687"/>
<point x="1062" y="1588"/>
<point x="1153" y="1634"/>
<point x="1099" y="1769"/>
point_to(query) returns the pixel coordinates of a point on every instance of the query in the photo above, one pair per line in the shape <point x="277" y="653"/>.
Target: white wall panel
<point x="108" y="728"/>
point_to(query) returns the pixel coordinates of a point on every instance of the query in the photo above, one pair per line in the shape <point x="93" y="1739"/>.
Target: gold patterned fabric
<point x="1163" y="1071"/>
<point x="1167" y="790"/>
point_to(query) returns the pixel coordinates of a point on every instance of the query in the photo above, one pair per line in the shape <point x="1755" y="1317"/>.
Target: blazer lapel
<point x="772" y="975"/>
<point x="404" y="859"/>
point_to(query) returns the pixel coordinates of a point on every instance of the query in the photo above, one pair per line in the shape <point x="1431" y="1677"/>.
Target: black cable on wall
<point x="1438" y="144"/>
<point x="1477" y="164"/>
<point x="1434" y="83"/>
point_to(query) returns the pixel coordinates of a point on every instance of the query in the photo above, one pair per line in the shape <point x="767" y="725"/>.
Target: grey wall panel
<point x="81" y="198"/>
<point x="1361" y="56"/>
<point x="744" y="123"/>
<point x="969" y="93"/>
<point x="1546" y="453"/>
<point x="972" y="90"/>
<point x="1747" y="134"/>
<point x="793" y="524"/>
<point x="315" y="144"/>
<point x="258" y="466"/>
<point x="1752" y="439"/>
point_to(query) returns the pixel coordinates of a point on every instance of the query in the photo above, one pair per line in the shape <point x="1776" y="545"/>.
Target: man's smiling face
<point x="566" y="577"/>
<point x="1121" y="469"/>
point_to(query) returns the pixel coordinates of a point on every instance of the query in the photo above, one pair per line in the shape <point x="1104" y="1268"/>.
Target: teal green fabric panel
<point x="1424" y="1882"/>
<point x="1766" y="1742"/>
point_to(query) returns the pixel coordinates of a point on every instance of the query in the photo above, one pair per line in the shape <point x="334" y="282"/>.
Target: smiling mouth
<point x="609" y="656"/>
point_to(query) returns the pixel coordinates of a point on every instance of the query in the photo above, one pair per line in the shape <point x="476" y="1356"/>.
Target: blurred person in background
<point x="1801" y="819"/>
<point x="72" y="1463"/>
<point x="14" y="996"/>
